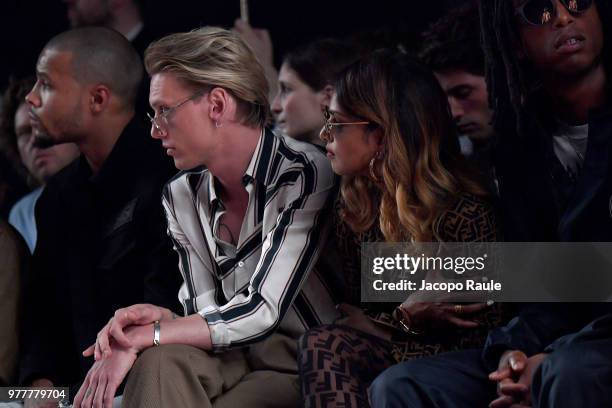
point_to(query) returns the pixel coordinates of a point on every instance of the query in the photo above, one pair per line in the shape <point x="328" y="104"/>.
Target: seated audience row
<point x="266" y="229"/>
<point x="548" y="74"/>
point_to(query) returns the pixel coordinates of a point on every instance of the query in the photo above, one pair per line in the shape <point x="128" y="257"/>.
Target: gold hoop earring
<point x="372" y="165"/>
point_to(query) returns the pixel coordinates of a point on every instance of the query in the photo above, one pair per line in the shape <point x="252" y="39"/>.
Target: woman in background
<point x="305" y="86"/>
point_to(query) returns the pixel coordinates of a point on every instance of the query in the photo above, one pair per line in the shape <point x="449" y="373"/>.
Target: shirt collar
<point x="260" y="162"/>
<point x="258" y="166"/>
<point x="212" y="194"/>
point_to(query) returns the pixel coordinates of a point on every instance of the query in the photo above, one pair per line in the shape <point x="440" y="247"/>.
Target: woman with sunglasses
<point x="390" y="135"/>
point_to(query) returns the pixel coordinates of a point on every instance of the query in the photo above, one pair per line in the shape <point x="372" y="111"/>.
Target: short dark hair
<point x="318" y="63"/>
<point x="453" y="42"/>
<point x="13" y="98"/>
<point x="103" y="55"/>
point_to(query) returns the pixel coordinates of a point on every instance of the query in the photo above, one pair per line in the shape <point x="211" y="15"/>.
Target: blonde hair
<point x="214" y="57"/>
<point x="420" y="171"/>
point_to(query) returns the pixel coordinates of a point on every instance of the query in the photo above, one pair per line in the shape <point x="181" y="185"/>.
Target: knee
<point x="311" y="343"/>
<point x="568" y="377"/>
<point x="324" y="339"/>
<point x="161" y="356"/>
<point x="562" y="364"/>
<point x="398" y="380"/>
<point x="387" y="381"/>
<point x="565" y="369"/>
<point x="335" y="348"/>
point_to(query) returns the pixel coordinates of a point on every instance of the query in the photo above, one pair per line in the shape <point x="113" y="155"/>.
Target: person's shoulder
<point x="151" y="161"/>
<point x="289" y="145"/>
<point x="187" y="179"/>
<point x="185" y="176"/>
<point x="305" y="159"/>
<point x="306" y="154"/>
<point x="468" y="218"/>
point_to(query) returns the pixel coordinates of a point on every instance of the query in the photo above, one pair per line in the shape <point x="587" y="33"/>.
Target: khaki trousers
<point x="173" y="376"/>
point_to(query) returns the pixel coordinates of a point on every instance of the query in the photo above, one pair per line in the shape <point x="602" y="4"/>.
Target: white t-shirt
<point x="570" y="144"/>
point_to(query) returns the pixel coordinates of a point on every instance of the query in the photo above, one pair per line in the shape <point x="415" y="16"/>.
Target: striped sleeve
<point x="189" y="261"/>
<point x="289" y="251"/>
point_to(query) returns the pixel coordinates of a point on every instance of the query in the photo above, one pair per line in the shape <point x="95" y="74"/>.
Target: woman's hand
<point x="428" y="315"/>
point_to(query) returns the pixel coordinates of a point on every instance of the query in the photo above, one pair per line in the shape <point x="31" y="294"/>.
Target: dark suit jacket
<point x="102" y="245"/>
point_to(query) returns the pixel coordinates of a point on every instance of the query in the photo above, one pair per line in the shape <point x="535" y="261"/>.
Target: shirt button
<point x="240" y="264"/>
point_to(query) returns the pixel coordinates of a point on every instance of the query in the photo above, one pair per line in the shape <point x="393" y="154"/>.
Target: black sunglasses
<point x="541" y="12"/>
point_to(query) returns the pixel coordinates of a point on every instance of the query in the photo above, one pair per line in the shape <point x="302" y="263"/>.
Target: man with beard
<point x="101" y="229"/>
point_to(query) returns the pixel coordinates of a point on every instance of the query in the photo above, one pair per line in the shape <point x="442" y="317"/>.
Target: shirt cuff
<point x="219" y="333"/>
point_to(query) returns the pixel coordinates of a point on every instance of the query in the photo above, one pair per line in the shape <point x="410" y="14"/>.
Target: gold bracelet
<point x="403" y="318"/>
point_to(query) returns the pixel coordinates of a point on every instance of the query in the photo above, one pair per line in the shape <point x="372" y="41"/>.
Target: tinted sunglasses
<point x="326" y="133"/>
<point x="541" y="12"/>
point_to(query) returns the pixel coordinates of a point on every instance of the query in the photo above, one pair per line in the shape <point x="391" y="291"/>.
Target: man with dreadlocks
<point x="548" y="73"/>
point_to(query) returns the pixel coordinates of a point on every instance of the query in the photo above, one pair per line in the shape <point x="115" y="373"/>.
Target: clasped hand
<point x="115" y="352"/>
<point x="514" y="377"/>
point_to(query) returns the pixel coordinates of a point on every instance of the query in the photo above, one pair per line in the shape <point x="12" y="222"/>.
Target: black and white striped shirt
<point x="267" y="281"/>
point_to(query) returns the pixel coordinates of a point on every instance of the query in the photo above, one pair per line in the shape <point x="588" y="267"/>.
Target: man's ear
<point x="219" y="103"/>
<point x="99" y="98"/>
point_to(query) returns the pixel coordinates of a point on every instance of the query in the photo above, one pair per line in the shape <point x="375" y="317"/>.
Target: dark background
<point x="28" y="24"/>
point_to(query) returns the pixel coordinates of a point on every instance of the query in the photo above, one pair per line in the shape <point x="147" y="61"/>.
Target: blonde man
<point x="248" y="229"/>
